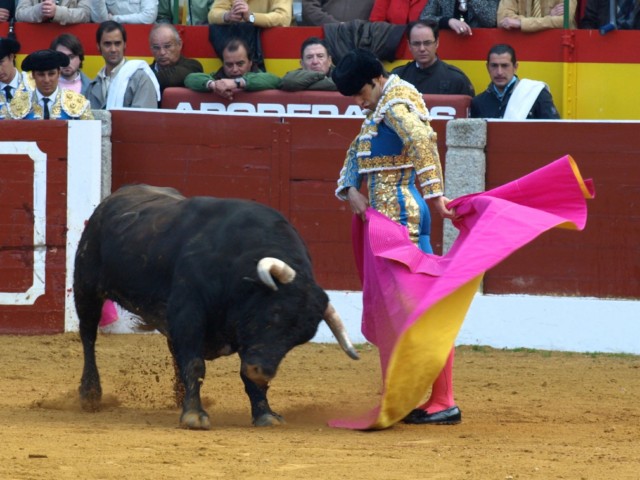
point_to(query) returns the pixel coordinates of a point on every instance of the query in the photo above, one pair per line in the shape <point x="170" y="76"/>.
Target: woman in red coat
<point x="399" y="12"/>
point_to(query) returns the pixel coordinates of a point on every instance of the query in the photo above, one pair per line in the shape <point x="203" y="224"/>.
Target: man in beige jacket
<point x="63" y="12"/>
<point x="534" y="15"/>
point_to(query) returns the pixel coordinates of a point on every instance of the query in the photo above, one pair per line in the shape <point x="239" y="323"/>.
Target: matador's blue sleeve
<point x="349" y="176"/>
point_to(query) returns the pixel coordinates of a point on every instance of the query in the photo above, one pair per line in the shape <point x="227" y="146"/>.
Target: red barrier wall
<point x="292" y="164"/>
<point x="46" y="314"/>
<point x="604" y="259"/>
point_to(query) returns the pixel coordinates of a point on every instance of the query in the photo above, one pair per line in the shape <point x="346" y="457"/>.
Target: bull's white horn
<point x="270" y="268"/>
<point x="337" y="328"/>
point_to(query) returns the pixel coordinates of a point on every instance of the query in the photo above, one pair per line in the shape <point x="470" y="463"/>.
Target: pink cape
<point x="415" y="303"/>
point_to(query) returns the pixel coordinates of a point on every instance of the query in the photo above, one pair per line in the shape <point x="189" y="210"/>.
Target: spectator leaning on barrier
<point x="260" y="13"/>
<point x="400" y="12"/>
<point x="315" y="71"/>
<point x="238" y="72"/>
<point x="71" y="76"/>
<point x="462" y="16"/>
<point x="47" y="101"/>
<point x="427" y="72"/>
<point x="63" y="12"/>
<point x="169" y="65"/>
<point x="121" y="82"/>
<point x="320" y="12"/>
<point x="11" y="80"/>
<point x="508" y="96"/>
<point x="534" y="15"/>
<point x="124" y="11"/>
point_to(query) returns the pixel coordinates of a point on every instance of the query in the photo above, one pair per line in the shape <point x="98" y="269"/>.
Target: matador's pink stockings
<point x="442" y="389"/>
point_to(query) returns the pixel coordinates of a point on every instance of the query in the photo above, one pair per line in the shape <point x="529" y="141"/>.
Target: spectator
<point x="260" y="13"/>
<point x="597" y="14"/>
<point x="121" y="82"/>
<point x="509" y="97"/>
<point x="400" y="12"/>
<point x="124" y="11"/>
<point x="7" y="10"/>
<point x="11" y="80"/>
<point x="47" y="101"/>
<point x="462" y="15"/>
<point x="71" y="76"/>
<point x="534" y="15"/>
<point x="315" y="71"/>
<point x="427" y="72"/>
<point x="320" y="12"/>
<point x="197" y="11"/>
<point x="63" y="12"/>
<point x="170" y="67"/>
<point x="238" y="72"/>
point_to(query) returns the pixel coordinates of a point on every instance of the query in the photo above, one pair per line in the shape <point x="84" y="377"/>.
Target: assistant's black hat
<point x="7" y="46"/>
<point x="42" y="60"/>
<point x="355" y="70"/>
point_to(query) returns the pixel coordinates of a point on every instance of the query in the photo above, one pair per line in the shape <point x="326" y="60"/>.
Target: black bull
<point x="215" y="276"/>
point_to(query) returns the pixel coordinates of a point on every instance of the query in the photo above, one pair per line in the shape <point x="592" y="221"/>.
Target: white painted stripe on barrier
<point x="84" y="180"/>
<point x="39" y="222"/>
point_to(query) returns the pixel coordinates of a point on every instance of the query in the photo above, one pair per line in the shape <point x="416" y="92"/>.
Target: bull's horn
<point x="270" y="267"/>
<point x="337" y="328"/>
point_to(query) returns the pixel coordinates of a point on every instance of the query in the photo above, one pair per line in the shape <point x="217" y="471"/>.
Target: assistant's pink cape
<point x="414" y="303"/>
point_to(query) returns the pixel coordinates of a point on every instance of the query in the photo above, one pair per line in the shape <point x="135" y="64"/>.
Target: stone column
<point x="465" y="165"/>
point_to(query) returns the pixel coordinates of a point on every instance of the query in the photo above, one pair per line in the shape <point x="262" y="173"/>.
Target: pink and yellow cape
<point x="414" y="303"/>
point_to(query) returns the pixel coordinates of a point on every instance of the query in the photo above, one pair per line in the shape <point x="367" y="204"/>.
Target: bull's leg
<point x="178" y="386"/>
<point x="89" y="309"/>
<point x="186" y="327"/>
<point x="261" y="413"/>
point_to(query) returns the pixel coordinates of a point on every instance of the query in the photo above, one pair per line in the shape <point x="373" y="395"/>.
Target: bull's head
<point x="270" y="268"/>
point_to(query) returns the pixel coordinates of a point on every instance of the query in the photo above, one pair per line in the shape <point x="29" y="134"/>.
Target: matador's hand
<point x="358" y="202"/>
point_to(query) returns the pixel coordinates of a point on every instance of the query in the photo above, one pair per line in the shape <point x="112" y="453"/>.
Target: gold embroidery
<point x="368" y="164"/>
<point x="73" y="103"/>
<point x="20" y="105"/>
<point x="384" y="187"/>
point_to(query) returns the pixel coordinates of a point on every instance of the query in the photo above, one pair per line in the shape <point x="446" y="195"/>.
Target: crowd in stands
<point x="235" y="27"/>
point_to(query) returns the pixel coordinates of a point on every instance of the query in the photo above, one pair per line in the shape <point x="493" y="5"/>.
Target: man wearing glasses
<point x="170" y="67"/>
<point x="427" y="72"/>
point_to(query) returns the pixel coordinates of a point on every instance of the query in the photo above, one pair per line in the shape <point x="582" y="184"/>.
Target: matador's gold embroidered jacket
<point x="395" y="145"/>
<point x="68" y="105"/>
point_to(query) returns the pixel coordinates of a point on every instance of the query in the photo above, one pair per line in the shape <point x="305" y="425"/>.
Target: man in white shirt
<point x="121" y="82"/>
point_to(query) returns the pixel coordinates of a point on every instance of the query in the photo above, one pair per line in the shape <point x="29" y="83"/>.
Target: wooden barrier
<point x="46" y="193"/>
<point x="442" y="107"/>
<point x="292" y="164"/>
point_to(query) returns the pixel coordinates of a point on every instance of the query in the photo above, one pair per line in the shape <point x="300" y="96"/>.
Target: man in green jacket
<point x="237" y="73"/>
<point x="315" y="71"/>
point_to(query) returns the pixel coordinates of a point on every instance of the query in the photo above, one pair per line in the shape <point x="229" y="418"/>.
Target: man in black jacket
<point x="427" y="72"/>
<point x="508" y="96"/>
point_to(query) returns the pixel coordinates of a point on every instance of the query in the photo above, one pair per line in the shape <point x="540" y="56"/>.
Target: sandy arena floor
<point x="542" y="415"/>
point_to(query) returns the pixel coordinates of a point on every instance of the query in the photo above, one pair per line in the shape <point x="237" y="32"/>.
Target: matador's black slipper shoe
<point x="450" y="416"/>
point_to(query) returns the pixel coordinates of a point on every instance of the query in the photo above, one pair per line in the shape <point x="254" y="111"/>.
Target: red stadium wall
<point x="604" y="259"/>
<point x="292" y="164"/>
<point x="42" y="310"/>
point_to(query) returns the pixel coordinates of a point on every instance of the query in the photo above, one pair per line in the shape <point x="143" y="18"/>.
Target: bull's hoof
<point x="90" y="400"/>
<point x="268" y="420"/>
<point x="195" y="420"/>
